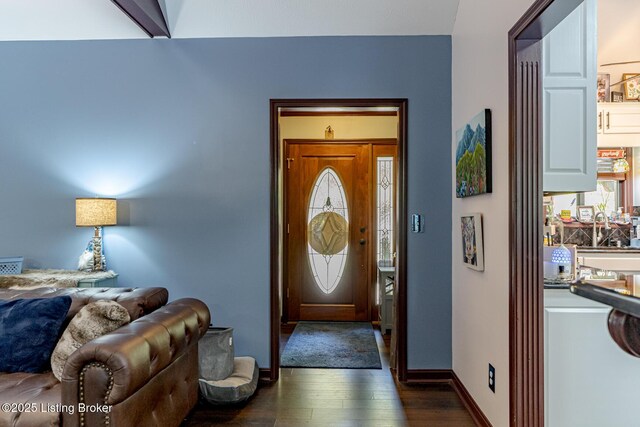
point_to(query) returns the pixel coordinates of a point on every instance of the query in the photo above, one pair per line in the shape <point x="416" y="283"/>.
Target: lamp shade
<point x="562" y="255"/>
<point x="96" y="212"/>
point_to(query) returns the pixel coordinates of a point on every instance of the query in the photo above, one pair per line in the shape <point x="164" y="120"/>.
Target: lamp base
<point x="99" y="262"/>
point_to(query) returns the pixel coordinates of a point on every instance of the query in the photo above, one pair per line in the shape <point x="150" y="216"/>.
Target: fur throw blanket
<point x="92" y="321"/>
<point x="31" y="279"/>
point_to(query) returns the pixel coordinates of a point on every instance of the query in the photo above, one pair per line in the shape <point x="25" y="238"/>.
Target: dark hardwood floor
<point x="340" y="397"/>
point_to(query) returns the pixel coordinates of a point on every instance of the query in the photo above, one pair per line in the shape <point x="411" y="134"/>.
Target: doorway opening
<point x="338" y="213"/>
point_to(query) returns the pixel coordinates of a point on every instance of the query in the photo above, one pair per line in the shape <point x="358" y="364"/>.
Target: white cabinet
<point x="589" y="380"/>
<point x="619" y="124"/>
<point x="569" y="72"/>
<point x="619" y="118"/>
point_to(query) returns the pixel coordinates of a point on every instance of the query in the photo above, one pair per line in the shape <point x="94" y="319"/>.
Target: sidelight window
<point x="385" y="208"/>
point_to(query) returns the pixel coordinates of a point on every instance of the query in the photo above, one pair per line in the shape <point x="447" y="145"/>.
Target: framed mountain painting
<point x="473" y="156"/>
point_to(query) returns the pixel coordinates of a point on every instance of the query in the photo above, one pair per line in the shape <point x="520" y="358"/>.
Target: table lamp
<point x="562" y="257"/>
<point x="97" y="213"/>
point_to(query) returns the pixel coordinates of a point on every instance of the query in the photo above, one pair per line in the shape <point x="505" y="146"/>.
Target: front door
<point x="327" y="211"/>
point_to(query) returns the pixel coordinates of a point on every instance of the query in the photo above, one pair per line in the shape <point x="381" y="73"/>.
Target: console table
<point x="386" y="285"/>
<point x="104" y="282"/>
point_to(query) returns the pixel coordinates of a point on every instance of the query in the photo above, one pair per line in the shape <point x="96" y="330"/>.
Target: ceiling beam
<point x="147" y="14"/>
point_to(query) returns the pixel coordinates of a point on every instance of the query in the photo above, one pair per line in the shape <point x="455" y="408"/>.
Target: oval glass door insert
<point x="328" y="230"/>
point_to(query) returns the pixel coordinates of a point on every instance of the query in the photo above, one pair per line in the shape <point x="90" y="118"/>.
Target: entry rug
<point x="332" y="345"/>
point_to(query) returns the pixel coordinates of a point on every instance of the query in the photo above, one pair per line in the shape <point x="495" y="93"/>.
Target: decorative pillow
<point x="29" y="329"/>
<point x="92" y="321"/>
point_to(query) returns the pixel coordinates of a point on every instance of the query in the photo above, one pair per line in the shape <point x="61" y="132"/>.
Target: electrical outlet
<point x="492" y="378"/>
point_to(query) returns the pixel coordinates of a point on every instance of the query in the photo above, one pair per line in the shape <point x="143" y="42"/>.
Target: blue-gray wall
<point x="178" y="130"/>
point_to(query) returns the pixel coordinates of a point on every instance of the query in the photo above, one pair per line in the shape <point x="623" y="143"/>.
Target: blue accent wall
<point x="178" y="130"/>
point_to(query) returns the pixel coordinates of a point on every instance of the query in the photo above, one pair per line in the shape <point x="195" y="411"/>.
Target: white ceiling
<point x="101" y="19"/>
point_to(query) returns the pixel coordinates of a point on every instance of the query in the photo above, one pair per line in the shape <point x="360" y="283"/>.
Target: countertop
<point x="582" y="251"/>
<point x="620" y="290"/>
<point x="612" y="224"/>
<point x="553" y="284"/>
<point x="608" y="249"/>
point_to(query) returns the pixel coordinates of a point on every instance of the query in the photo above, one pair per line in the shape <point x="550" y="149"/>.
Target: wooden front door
<point x="327" y="244"/>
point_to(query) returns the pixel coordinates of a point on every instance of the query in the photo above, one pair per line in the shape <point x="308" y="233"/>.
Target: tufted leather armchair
<point x="142" y="374"/>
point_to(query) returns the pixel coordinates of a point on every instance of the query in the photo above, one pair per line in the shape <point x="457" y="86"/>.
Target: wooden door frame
<point x="277" y="228"/>
<point x="526" y="291"/>
<point x="371" y="235"/>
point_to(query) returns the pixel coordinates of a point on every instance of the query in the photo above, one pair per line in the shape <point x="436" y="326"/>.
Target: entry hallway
<point x="340" y="397"/>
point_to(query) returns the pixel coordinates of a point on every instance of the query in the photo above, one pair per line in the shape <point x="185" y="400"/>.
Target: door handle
<point x="600" y="120"/>
<point x="608" y="121"/>
<point x="363" y="241"/>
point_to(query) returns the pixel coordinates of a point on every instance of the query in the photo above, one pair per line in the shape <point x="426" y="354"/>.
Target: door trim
<point x="277" y="215"/>
<point x="526" y="332"/>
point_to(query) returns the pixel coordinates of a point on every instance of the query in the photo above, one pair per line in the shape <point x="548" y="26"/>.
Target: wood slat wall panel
<point x="526" y="357"/>
<point x="526" y="388"/>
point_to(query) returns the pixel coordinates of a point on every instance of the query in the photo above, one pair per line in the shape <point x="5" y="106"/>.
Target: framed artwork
<point x="472" y="243"/>
<point x="617" y="96"/>
<point x="631" y="86"/>
<point x="604" y="87"/>
<point x="585" y="213"/>
<point x="473" y="156"/>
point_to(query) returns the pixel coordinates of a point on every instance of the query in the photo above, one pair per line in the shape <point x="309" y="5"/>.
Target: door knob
<point x="363" y="241"/>
<point x="363" y="229"/>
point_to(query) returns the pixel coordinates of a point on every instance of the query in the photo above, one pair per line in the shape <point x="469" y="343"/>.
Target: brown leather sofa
<point x="142" y="374"/>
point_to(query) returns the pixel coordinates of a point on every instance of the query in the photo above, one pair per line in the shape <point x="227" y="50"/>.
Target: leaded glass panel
<point x="327" y="230"/>
<point x="385" y="208"/>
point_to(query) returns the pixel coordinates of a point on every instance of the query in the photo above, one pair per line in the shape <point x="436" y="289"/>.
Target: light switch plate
<point x="417" y="223"/>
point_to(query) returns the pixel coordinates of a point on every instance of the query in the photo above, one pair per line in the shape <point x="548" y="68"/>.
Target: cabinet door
<point x="589" y="381"/>
<point x="622" y="119"/>
<point x="569" y="114"/>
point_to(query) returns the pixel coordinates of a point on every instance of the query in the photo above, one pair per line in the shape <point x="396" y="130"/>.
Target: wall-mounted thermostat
<point x="417" y="223"/>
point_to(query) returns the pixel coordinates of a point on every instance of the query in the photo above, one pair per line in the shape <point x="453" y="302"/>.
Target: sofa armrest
<point x="113" y="367"/>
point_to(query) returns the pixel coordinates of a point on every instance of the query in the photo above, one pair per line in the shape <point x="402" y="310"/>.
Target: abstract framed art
<point x="472" y="241"/>
<point x="604" y="87"/>
<point x="473" y="156"/>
